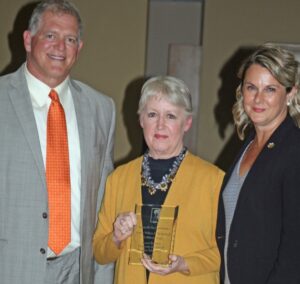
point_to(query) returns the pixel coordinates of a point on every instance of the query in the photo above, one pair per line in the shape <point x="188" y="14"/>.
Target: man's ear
<point x="80" y="45"/>
<point x="141" y="121"/>
<point x="27" y="40"/>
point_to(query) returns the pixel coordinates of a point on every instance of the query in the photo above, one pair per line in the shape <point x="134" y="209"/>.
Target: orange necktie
<point x="58" y="177"/>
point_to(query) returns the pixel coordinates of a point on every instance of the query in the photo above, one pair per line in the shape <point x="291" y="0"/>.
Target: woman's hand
<point x="177" y="264"/>
<point x="123" y="227"/>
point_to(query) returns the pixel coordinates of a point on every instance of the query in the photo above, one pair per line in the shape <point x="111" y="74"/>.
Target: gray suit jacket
<point x="23" y="192"/>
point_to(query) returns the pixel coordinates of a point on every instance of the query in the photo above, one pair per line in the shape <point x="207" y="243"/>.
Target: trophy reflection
<point x="154" y="233"/>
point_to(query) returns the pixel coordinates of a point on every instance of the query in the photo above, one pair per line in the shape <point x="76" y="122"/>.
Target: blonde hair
<point x="283" y="67"/>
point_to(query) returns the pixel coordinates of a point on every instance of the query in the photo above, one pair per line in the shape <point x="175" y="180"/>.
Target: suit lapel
<point x="84" y="130"/>
<point x="24" y="111"/>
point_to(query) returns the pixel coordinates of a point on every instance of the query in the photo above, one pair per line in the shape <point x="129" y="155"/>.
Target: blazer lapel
<point x="265" y="155"/>
<point x="235" y="161"/>
<point x="24" y="111"/>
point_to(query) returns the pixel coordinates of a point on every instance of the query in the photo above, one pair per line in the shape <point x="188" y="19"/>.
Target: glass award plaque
<point x="154" y="233"/>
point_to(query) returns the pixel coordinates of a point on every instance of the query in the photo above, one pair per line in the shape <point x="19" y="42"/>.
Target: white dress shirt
<point x="39" y="93"/>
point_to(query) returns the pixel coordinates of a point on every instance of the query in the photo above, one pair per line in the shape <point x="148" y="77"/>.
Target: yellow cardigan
<point x="195" y="189"/>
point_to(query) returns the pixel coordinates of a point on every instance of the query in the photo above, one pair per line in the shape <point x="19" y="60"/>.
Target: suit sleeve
<point x="105" y="250"/>
<point x="287" y="267"/>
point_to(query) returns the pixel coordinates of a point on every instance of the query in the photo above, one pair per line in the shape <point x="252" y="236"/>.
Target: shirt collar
<point x="39" y="91"/>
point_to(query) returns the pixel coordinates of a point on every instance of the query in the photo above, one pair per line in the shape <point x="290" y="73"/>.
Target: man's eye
<point x="71" y="40"/>
<point x="50" y="36"/>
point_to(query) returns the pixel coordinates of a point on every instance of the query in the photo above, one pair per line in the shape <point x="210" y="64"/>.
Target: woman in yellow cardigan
<point x="167" y="174"/>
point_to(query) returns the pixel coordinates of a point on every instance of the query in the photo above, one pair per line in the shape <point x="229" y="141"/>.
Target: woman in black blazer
<point x="258" y="227"/>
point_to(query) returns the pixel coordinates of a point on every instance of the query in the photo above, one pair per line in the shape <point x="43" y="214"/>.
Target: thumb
<point x="173" y="257"/>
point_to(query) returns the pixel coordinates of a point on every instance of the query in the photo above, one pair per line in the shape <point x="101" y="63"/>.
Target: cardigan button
<point x="235" y="243"/>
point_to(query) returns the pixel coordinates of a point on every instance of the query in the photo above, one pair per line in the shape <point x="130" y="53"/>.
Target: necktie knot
<point x="54" y="96"/>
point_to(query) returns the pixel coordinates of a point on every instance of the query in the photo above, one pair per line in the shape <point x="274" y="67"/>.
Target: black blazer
<point x="264" y="238"/>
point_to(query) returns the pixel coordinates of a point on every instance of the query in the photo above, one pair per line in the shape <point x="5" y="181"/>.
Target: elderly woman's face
<point x="265" y="99"/>
<point x="164" y="125"/>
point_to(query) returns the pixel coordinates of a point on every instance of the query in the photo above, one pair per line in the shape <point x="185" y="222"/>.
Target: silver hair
<point x="55" y="6"/>
<point x="170" y="88"/>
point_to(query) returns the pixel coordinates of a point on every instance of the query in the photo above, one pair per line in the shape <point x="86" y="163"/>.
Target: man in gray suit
<point x="52" y="43"/>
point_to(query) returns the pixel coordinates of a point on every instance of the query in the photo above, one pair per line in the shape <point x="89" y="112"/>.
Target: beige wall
<point x="113" y="55"/>
<point x="113" y="59"/>
<point x="229" y="27"/>
<point x="170" y="23"/>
